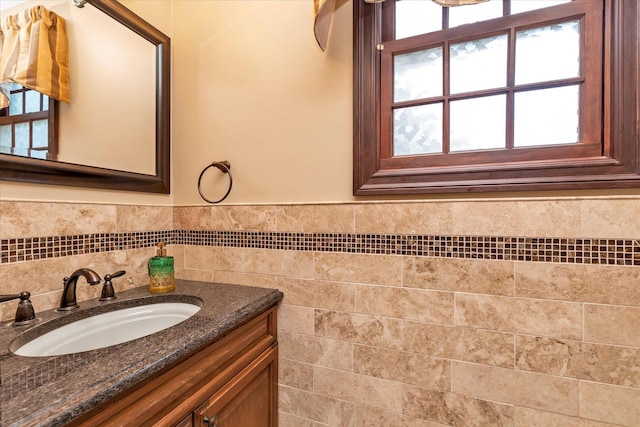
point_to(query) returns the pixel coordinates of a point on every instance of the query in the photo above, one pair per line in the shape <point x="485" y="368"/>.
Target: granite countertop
<point x="51" y="391"/>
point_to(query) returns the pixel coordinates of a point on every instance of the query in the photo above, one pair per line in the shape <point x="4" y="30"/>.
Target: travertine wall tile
<point x="47" y="275"/>
<point x="575" y="359"/>
<point x="43" y="277"/>
<point x="611" y="218"/>
<point x="527" y="417"/>
<point x="612" y="324"/>
<point x="313" y="406"/>
<point x="279" y="263"/>
<point x="527" y="316"/>
<point x="361" y="389"/>
<point x="534" y="218"/>
<point x="368" y="416"/>
<point x="39" y="277"/>
<point x="192" y="218"/>
<point x="315" y="218"/>
<point x="31" y="219"/>
<point x="393" y="313"/>
<point x="214" y="258"/>
<point x="194" y="274"/>
<point x="318" y="293"/>
<point x="409" y="368"/>
<point x="454" y="342"/>
<point x="403" y="218"/>
<point x="245" y="218"/>
<point x="296" y="374"/>
<point x="293" y="318"/>
<point x="288" y="420"/>
<point x="360" y="329"/>
<point x="258" y="280"/>
<point x="454" y="409"/>
<point x="462" y="275"/>
<point x="609" y="403"/>
<point x="316" y="350"/>
<point x="144" y="218"/>
<point x="414" y="304"/>
<point x="585" y="283"/>
<point x="528" y="389"/>
<point x="359" y="268"/>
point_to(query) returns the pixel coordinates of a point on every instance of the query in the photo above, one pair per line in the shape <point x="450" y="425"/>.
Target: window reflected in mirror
<point x="27" y="125"/>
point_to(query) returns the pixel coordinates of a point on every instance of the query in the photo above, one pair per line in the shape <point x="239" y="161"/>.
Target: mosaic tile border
<point x="533" y="249"/>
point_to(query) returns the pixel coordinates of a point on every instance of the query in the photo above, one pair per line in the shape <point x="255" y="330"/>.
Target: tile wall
<point x="460" y="313"/>
<point x="41" y="243"/>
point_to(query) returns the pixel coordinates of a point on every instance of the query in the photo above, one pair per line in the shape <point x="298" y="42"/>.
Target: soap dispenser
<point x="161" y="271"/>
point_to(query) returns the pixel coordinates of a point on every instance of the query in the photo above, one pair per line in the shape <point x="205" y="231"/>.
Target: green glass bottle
<point x="161" y="271"/>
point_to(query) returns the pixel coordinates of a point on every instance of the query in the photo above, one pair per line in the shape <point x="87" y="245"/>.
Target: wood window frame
<point x="617" y="166"/>
<point x="50" y="114"/>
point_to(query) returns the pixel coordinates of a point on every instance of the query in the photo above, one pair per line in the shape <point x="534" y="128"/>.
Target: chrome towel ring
<point x="225" y="167"/>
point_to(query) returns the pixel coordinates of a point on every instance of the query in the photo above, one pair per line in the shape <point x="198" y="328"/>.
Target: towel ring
<point x="225" y="167"/>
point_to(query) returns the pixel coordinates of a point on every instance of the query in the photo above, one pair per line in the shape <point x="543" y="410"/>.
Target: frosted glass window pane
<point x="474" y="13"/>
<point x="33" y="101"/>
<point x="22" y="135"/>
<point x="479" y="64"/>
<point x="417" y="130"/>
<point x="45" y="103"/>
<point x="40" y="133"/>
<point x="478" y="123"/>
<point x="38" y="154"/>
<point x="417" y="75"/>
<point x="5" y="136"/>
<point x="546" y="117"/>
<point x="415" y="17"/>
<point x="16" y="107"/>
<point x="519" y="6"/>
<point x="548" y="53"/>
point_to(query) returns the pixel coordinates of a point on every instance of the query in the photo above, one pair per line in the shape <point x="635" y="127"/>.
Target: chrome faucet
<point x="68" y="300"/>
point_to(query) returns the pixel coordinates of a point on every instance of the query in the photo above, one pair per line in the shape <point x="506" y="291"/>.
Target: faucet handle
<point x="25" y="313"/>
<point x="108" y="292"/>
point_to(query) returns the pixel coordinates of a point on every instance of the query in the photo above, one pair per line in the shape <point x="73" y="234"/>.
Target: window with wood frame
<point x="28" y="125"/>
<point x="506" y="95"/>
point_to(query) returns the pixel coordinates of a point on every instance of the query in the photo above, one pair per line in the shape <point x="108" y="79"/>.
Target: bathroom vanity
<point x="217" y="368"/>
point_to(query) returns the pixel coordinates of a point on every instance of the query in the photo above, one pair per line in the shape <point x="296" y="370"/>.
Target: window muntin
<point x="27" y="125"/>
<point x="482" y="61"/>
<point x="608" y="144"/>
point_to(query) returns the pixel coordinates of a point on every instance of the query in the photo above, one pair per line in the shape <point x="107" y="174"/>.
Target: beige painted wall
<point x="252" y="86"/>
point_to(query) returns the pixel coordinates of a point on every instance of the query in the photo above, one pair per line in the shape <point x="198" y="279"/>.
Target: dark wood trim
<point x="618" y="165"/>
<point x="15" y="168"/>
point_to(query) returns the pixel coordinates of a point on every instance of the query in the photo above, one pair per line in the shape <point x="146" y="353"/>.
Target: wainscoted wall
<point x="41" y="243"/>
<point x="514" y="312"/>
<point x="371" y="337"/>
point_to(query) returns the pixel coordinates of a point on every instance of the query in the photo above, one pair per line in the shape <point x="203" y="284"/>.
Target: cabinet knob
<point x="210" y="422"/>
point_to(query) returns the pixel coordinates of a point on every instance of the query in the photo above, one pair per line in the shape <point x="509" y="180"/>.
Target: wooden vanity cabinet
<point x="232" y="382"/>
<point x="244" y="401"/>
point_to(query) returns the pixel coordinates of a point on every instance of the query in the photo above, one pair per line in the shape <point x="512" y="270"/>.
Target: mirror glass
<point x="115" y="132"/>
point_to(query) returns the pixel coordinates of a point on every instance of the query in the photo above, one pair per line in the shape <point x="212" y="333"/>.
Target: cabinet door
<point x="248" y="400"/>
<point x="187" y="422"/>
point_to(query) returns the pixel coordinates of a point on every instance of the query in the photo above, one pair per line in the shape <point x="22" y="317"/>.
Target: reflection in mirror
<point x="115" y="131"/>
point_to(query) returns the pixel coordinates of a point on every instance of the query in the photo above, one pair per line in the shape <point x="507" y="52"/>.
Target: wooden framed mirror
<point x="99" y="173"/>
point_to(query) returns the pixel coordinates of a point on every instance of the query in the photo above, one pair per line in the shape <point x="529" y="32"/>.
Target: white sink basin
<point x="107" y="329"/>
